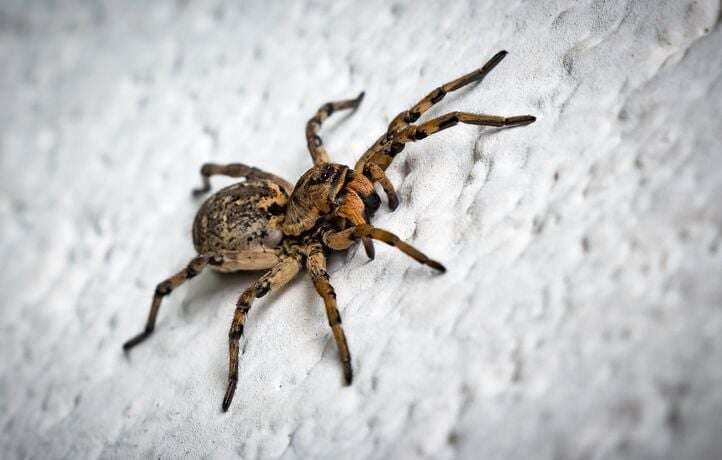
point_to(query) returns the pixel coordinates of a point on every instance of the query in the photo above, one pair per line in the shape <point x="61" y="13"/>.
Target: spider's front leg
<point x="165" y="287"/>
<point x="316" y="266"/>
<point x="376" y="159"/>
<point x="376" y="174"/>
<point x="341" y="240"/>
<point x="275" y="278"/>
<point x="414" y="133"/>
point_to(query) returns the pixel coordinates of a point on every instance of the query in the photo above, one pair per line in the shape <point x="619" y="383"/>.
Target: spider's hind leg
<point x="165" y="287"/>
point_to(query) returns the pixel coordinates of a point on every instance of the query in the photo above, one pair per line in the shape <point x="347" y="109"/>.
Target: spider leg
<point x="352" y="209"/>
<point x="313" y="126"/>
<point x="407" y="117"/>
<point x="343" y="239"/>
<point x="316" y="266"/>
<point x="376" y="174"/>
<point x="414" y="133"/>
<point x="280" y="274"/>
<point x="376" y="153"/>
<point x="385" y="153"/>
<point x="236" y="170"/>
<point x="194" y="267"/>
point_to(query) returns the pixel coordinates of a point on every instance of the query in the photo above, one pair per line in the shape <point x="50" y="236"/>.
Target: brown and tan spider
<point x="267" y="223"/>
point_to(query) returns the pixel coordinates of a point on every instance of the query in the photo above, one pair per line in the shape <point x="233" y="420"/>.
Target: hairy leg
<point x="275" y="278"/>
<point x="237" y="170"/>
<point x="343" y="239"/>
<point x="315" y="144"/>
<point x="360" y="200"/>
<point x="377" y="153"/>
<point x="194" y="267"/>
<point x="316" y="266"/>
<point x="376" y="174"/>
<point x="414" y="133"/>
<point x="352" y="209"/>
<point x="407" y="117"/>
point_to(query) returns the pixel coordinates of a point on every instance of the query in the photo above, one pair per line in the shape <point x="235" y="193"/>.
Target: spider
<point x="265" y="222"/>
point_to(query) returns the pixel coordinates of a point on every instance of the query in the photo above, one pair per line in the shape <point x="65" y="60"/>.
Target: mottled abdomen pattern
<point x="242" y="222"/>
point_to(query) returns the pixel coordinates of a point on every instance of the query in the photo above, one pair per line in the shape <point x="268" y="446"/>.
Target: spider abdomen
<point x="243" y="223"/>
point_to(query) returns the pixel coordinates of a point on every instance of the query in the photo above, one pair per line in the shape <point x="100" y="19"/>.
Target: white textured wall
<point x="581" y="316"/>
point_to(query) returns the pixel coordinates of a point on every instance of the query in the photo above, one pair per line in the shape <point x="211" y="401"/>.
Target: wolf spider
<point x="267" y="223"/>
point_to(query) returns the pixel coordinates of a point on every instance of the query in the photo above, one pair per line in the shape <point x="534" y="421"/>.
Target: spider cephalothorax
<point x="329" y="189"/>
<point x="266" y="223"/>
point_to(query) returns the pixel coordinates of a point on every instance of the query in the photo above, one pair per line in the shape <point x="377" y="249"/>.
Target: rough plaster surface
<point x="581" y="316"/>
